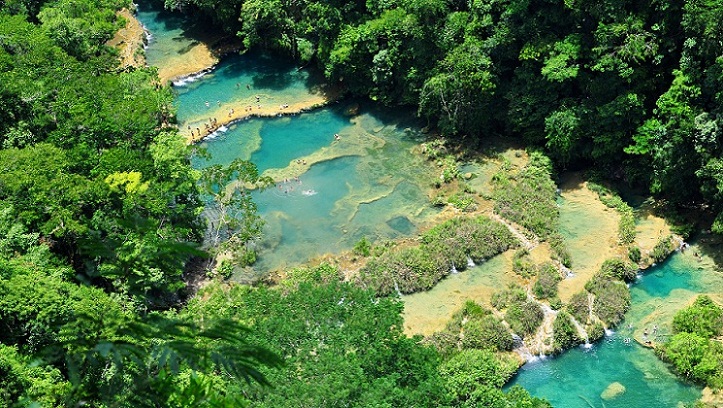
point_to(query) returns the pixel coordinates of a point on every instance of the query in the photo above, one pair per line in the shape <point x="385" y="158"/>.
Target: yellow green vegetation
<point x="449" y="245"/>
<point x="695" y="350"/>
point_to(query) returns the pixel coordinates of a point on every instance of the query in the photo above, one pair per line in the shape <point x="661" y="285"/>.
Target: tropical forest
<point x="361" y="203"/>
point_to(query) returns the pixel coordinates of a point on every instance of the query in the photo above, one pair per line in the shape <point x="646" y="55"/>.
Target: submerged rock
<point x="612" y="391"/>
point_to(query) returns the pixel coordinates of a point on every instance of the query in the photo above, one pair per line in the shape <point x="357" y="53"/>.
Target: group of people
<point x="209" y="127"/>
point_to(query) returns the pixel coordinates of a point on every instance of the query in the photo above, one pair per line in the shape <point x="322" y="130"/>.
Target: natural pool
<point x="579" y="377"/>
<point x="369" y="184"/>
<point x="330" y="193"/>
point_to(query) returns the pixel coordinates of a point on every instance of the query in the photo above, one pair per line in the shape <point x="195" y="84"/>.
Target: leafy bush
<point x="612" y="299"/>
<point x="476" y="237"/>
<point x="564" y="333"/>
<point x="662" y="249"/>
<point x="529" y="197"/>
<point x="322" y="274"/>
<point x="704" y="318"/>
<point x="487" y="333"/>
<point x="522" y="264"/>
<point x="470" y="310"/>
<point x="546" y="284"/>
<point x="409" y="269"/>
<point x="595" y="331"/>
<point x="692" y="350"/>
<point x="463" y="201"/>
<point x="619" y="269"/>
<point x="634" y="254"/>
<point x="363" y="247"/>
<point x="470" y="368"/>
<point x="579" y="307"/>
<point x="524" y="317"/>
<point x="451" y="243"/>
<point x="685" y="351"/>
<point x="556" y="303"/>
<point x="513" y="294"/>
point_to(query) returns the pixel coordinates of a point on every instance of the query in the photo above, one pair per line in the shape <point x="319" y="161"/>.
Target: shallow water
<point x="368" y="184"/>
<point x="241" y="82"/>
<point x="428" y="312"/>
<point x="175" y="44"/>
<point x="579" y="377"/>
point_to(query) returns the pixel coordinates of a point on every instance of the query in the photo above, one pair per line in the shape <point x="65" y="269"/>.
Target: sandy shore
<point x="129" y="41"/>
<point x="199" y="57"/>
<point x="265" y="106"/>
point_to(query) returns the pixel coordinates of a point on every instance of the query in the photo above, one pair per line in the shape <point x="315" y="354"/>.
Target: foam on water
<point x="583" y="373"/>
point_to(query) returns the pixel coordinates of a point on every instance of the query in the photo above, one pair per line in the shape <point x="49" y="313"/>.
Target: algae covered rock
<point x="613" y="390"/>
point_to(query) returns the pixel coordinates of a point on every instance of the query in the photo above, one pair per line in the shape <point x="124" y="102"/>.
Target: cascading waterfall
<point x="470" y="262"/>
<point x="396" y="288"/>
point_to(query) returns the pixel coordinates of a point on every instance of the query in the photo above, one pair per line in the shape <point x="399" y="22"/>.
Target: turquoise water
<point x="238" y="81"/>
<point x="282" y="140"/>
<point x="368" y="184"/>
<point x="578" y="377"/>
<point x="171" y="33"/>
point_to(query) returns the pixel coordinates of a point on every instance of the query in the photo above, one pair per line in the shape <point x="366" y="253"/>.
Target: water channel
<point x="331" y="192"/>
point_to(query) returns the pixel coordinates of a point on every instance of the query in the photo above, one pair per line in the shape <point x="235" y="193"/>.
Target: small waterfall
<point x="396" y="288"/>
<point x="454" y="269"/>
<point x="470" y="262"/>
<point x="517" y="341"/>
<point x="582" y="333"/>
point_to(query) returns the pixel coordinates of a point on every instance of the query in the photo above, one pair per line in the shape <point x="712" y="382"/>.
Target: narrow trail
<point x="526" y="242"/>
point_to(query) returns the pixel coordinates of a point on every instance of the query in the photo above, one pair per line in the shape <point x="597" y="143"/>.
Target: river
<point x="331" y="192"/>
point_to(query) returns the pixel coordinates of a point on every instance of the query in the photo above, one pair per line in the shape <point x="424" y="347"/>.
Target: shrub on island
<point x="694" y="351"/>
<point x="446" y="246"/>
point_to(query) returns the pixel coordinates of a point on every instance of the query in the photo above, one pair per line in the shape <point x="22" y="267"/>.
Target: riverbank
<point x="219" y="116"/>
<point x="129" y="41"/>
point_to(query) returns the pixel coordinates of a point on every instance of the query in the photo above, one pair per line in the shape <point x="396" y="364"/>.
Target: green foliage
<point x="450" y="244"/>
<point x="339" y="342"/>
<point x="528" y="197"/>
<point x="462" y="201"/>
<point x="548" y="276"/>
<point x="579" y="307"/>
<point x="564" y="333"/>
<point x="626" y="226"/>
<point x="233" y="222"/>
<point x="595" y="332"/>
<point x="363" y="247"/>
<point x="634" y="254"/>
<point x="476" y="237"/>
<point x="704" y="318"/>
<point x="512" y="294"/>
<point x="322" y="274"/>
<point x="693" y="350"/>
<point x="524" y="317"/>
<point x="90" y="346"/>
<point x="410" y="269"/>
<point x="618" y="269"/>
<point x="522" y="264"/>
<point x="662" y="249"/>
<point x="478" y="328"/>
<point x="487" y="333"/>
<point x="468" y="369"/>
<point x="612" y="298"/>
